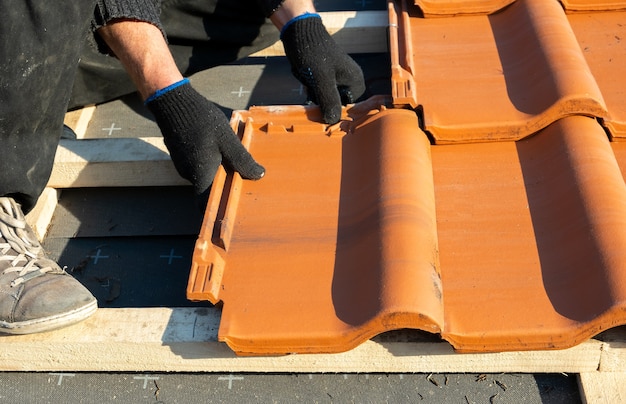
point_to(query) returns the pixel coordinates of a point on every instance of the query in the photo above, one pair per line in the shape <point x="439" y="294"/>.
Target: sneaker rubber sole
<point x="49" y="323"/>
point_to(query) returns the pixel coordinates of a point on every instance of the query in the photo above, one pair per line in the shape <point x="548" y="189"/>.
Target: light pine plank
<point x="119" y="162"/>
<point x="602" y="387"/>
<point x="40" y="216"/>
<point x="354" y="31"/>
<point x="614" y="355"/>
<point x="79" y="120"/>
<point x="185" y="340"/>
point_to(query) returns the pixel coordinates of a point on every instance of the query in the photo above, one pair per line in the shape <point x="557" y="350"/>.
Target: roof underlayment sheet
<point x="483" y="200"/>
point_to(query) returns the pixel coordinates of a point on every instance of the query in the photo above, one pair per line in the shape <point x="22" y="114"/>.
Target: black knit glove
<point x="330" y="76"/>
<point x="199" y="137"/>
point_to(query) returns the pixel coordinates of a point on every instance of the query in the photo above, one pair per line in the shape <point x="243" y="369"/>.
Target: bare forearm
<point x="291" y="9"/>
<point x="143" y="51"/>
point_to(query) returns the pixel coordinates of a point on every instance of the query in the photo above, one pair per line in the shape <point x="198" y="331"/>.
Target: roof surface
<point x="483" y="200"/>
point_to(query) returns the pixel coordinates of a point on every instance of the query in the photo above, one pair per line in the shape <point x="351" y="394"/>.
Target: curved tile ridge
<point x="337" y="243"/>
<point x="447" y="8"/>
<point x="491" y="78"/>
<point x="535" y="258"/>
<point x="593" y="5"/>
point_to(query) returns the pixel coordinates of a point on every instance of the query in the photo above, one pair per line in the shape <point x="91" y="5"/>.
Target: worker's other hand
<point x="199" y="137"/>
<point x="330" y="76"/>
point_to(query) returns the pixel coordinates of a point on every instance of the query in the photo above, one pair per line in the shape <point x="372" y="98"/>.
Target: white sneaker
<point x="35" y="293"/>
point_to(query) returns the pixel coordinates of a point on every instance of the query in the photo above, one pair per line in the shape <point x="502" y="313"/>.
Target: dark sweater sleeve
<point x="269" y="6"/>
<point x="140" y="10"/>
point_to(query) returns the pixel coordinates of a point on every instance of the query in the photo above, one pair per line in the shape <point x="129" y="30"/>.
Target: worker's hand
<point x="330" y="76"/>
<point x="199" y="137"/>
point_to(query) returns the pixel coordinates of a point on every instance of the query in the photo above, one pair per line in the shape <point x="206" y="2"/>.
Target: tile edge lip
<point x="434" y="9"/>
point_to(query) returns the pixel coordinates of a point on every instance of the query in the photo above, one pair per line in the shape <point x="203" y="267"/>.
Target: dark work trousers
<point x="41" y="44"/>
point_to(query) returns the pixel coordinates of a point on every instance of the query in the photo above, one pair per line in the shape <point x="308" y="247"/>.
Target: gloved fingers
<point x="331" y="109"/>
<point x="194" y="161"/>
<point x="332" y="88"/>
<point x="350" y="81"/>
<point x="208" y="169"/>
<point x="233" y="154"/>
<point x="236" y="157"/>
<point x="326" y="94"/>
<point x="346" y="95"/>
<point x="202" y="178"/>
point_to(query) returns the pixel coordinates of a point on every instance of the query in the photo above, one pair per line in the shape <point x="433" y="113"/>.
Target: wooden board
<point x="79" y="119"/>
<point x="40" y="217"/>
<point x="354" y="31"/>
<point x="602" y="387"/>
<point x="185" y="340"/>
<point x="113" y="162"/>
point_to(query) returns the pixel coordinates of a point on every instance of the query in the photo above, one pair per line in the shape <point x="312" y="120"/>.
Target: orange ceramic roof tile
<point x="602" y="38"/>
<point x="494" y="77"/>
<point x="342" y="239"/>
<point x="337" y="242"/>
<point x="619" y="148"/>
<point x="593" y="5"/>
<point x="439" y="8"/>
<point x="531" y="237"/>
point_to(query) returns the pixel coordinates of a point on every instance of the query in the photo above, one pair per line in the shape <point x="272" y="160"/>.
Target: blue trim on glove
<point x="165" y="90"/>
<point x="294" y="19"/>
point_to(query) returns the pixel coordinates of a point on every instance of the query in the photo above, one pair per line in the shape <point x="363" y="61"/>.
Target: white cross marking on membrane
<point x="170" y="257"/>
<point x="61" y="376"/>
<point x="230" y="379"/>
<point x="145" y="379"/>
<point x="240" y="93"/>
<point x="111" y="129"/>
<point x="98" y="256"/>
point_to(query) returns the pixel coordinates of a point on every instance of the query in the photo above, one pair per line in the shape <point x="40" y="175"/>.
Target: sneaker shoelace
<point x="25" y="255"/>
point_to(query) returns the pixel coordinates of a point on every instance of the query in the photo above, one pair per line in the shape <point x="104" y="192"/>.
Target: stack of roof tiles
<point x="483" y="200"/>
